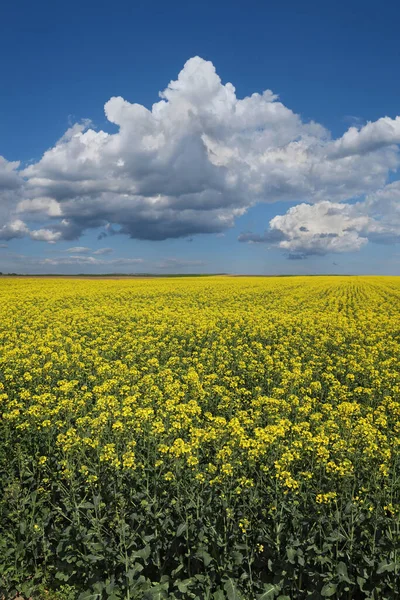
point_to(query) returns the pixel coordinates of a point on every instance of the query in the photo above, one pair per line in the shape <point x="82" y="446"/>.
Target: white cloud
<point x="3" y="246"/>
<point x="371" y="137"/>
<point x="101" y="251"/>
<point x="9" y="176"/>
<point x="332" y="227"/>
<point x="194" y="163"/>
<point x="43" y="206"/>
<point x="19" y="229"/>
<point x="45" y="235"/>
<point x="86" y="250"/>
<point x="13" y="229"/>
<point x="319" y="229"/>
<point x="88" y="260"/>
<point x="78" y="250"/>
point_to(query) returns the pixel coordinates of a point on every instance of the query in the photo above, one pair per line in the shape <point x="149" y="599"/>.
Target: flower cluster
<point x="281" y="387"/>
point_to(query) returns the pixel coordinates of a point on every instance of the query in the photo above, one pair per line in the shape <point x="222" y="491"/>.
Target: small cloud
<point x="45" y="235"/>
<point x="3" y="246"/>
<point x="14" y="229"/>
<point x="78" y="250"/>
<point x="101" y="251"/>
<point x="89" y="260"/>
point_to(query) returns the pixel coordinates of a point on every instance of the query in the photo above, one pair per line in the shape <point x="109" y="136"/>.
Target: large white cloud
<point x="194" y="163"/>
<point x="315" y="230"/>
<point x="383" y="132"/>
<point x="332" y="227"/>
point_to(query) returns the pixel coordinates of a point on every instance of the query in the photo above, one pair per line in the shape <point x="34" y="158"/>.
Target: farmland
<point x="211" y="438"/>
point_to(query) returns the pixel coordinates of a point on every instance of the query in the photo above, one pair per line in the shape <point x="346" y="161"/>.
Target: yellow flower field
<point x="210" y="437"/>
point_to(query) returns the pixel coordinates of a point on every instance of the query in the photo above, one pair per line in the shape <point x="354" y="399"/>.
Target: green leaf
<point x="175" y="572"/>
<point x="184" y="585"/>
<point x="96" y="546"/>
<point x="181" y="529"/>
<point x="204" y="556"/>
<point x="92" y="558"/>
<point x="385" y="566"/>
<point x="86" y="505"/>
<point x="342" y="571"/>
<point x="157" y="592"/>
<point x="291" y="554"/>
<point x="328" y="590"/>
<point x="131" y="573"/>
<point x="269" y="592"/>
<point x="144" y="552"/>
<point x="237" y="558"/>
<point x="231" y="590"/>
<point x="360" y="582"/>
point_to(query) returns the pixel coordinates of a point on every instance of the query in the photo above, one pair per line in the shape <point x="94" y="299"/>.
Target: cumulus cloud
<point x="373" y="136"/>
<point x="331" y="227"/>
<point x="13" y="229"/>
<point x="307" y="230"/>
<point x="45" y="235"/>
<point x="9" y="176"/>
<point x="19" y="229"/>
<point x="42" y="206"/>
<point x="194" y="163"/>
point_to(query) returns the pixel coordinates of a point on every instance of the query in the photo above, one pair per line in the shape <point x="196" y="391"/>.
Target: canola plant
<point x="202" y="438"/>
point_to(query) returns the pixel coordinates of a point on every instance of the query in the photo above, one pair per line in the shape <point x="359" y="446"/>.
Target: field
<point x="211" y="438"/>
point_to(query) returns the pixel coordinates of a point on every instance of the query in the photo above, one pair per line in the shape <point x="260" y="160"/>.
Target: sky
<point x="235" y="137"/>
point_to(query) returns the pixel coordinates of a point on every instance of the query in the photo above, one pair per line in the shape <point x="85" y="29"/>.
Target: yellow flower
<point x="326" y="498"/>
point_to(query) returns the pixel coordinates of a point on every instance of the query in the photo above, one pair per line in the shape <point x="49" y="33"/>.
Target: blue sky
<point x="332" y="63"/>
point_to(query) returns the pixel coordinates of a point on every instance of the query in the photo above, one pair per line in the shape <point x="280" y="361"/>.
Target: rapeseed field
<point x="204" y="438"/>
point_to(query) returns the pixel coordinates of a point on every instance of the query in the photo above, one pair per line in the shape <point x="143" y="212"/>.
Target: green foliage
<point x="124" y="538"/>
<point x="232" y="518"/>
